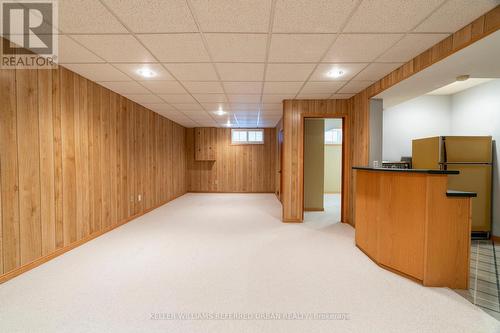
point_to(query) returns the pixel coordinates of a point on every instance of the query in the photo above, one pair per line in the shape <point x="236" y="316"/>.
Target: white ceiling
<point x="479" y="61"/>
<point x="458" y="86"/>
<point x="247" y="56"/>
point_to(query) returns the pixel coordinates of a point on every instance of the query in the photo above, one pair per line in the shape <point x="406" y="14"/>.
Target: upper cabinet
<point x="205" y="143"/>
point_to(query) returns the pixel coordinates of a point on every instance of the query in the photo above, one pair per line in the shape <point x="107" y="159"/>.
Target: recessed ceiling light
<point x="146" y="72"/>
<point x="335" y="73"/>
<point x="220" y="112"/>
<point x="228" y="124"/>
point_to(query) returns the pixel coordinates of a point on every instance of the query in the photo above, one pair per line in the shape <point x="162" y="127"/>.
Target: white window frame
<point x="246" y="130"/>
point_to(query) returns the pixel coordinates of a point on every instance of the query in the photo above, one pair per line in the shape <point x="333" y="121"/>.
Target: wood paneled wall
<point x="294" y="112"/>
<point x="356" y="112"/>
<point x="237" y="168"/>
<point x="74" y="159"/>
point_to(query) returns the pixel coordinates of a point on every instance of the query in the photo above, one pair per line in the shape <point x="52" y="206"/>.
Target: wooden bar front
<point x="408" y="222"/>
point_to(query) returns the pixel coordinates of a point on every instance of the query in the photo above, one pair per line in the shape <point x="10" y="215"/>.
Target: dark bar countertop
<point x="428" y="171"/>
<point x="453" y="193"/>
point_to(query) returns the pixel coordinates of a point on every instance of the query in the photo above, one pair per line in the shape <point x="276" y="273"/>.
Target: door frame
<point x="345" y="129"/>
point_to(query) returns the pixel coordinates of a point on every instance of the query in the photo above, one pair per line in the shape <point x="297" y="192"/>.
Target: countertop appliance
<point x="472" y="156"/>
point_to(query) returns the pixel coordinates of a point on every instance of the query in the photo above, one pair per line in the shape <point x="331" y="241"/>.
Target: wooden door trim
<point x="345" y="132"/>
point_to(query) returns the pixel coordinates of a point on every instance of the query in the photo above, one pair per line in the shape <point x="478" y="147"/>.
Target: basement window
<point x="247" y="136"/>
<point x="333" y="136"/>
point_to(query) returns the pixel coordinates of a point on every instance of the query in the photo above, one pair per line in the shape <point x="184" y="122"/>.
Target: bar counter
<point x="410" y="223"/>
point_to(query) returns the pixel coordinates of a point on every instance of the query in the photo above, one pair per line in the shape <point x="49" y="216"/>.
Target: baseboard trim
<point x="39" y="261"/>
<point x="496" y="239"/>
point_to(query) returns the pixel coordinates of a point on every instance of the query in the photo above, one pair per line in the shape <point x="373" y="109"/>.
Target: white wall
<point x="417" y="118"/>
<point x="476" y="111"/>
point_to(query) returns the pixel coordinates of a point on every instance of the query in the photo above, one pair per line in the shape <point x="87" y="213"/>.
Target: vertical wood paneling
<point x="237" y="168"/>
<point x="294" y="112"/>
<point x="73" y="159"/>
<point x="47" y="186"/>
<point x="58" y="183"/>
<point x="113" y="157"/>
<point x="29" y="165"/>
<point x="82" y="120"/>
<point x="9" y="171"/>
<point x="95" y="158"/>
<point x="68" y="156"/>
<point x="104" y="159"/>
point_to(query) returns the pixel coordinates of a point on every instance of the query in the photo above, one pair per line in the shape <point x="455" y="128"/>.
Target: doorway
<point x="323" y="157"/>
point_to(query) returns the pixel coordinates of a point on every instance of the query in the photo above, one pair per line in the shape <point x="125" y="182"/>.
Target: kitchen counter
<point x="410" y="223"/>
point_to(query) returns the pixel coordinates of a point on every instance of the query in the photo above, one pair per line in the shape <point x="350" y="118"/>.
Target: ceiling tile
<point x="311" y="16"/>
<point x="158" y="107"/>
<point x="188" y="107"/>
<point x="154" y="15"/>
<point x="115" y="48"/>
<point x="455" y="14"/>
<point x="215" y="106"/>
<point x="288" y="72"/>
<point x="243" y="87"/>
<point x="265" y="114"/>
<point x="353" y="87"/>
<point x="125" y="87"/>
<point x="314" y="96"/>
<point x="131" y="69"/>
<point x="193" y="72"/>
<point x="323" y="87"/>
<point x="98" y="72"/>
<point x="176" y="47"/>
<point x="410" y="46"/>
<point x="360" y="47"/>
<point x="173" y="114"/>
<point x="197" y="114"/>
<point x="299" y="47"/>
<point x="97" y="19"/>
<point x="72" y="52"/>
<point x="144" y="98"/>
<point x="341" y="96"/>
<point x="204" y="87"/>
<point x="245" y="106"/>
<point x="376" y="71"/>
<point x="237" y="47"/>
<point x="282" y="87"/>
<point x="390" y="15"/>
<point x="272" y="107"/>
<point x="178" y="98"/>
<point x="233" y="15"/>
<point x="349" y="70"/>
<point x="164" y="87"/>
<point x="276" y="98"/>
<point x="243" y="98"/>
<point x="210" y="98"/>
<point x="240" y="72"/>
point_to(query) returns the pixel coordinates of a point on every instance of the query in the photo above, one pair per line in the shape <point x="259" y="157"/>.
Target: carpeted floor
<point x="209" y="256"/>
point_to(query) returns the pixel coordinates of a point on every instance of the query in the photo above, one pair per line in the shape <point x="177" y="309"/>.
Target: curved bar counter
<point x="409" y="222"/>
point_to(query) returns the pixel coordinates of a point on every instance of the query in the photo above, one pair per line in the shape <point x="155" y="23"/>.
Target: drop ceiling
<point x="245" y="57"/>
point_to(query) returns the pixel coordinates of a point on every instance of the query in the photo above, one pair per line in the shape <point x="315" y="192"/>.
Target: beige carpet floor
<point x="206" y="256"/>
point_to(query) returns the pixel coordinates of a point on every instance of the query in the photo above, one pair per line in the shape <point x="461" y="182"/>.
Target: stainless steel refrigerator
<point x="472" y="156"/>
